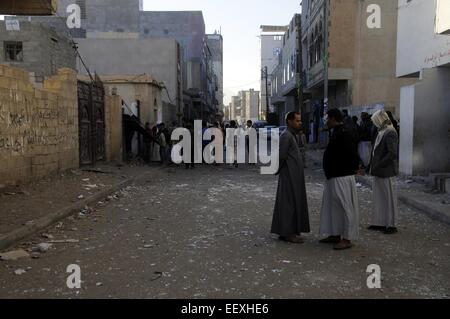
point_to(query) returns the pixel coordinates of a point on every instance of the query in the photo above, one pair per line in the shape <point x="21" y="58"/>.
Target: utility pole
<point x="264" y="77"/>
<point x="267" y="93"/>
<point x="325" y="58"/>
<point x="299" y="65"/>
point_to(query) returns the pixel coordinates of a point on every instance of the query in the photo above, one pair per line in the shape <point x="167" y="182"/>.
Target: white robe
<point x="364" y="152"/>
<point x="155" y="156"/>
<point x="384" y="204"/>
<point x="340" y="210"/>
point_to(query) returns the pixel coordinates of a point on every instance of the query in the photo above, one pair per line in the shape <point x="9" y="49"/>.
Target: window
<point x="13" y="51"/>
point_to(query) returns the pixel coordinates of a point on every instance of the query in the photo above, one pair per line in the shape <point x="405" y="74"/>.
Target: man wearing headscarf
<point x="339" y="217"/>
<point x="384" y="167"/>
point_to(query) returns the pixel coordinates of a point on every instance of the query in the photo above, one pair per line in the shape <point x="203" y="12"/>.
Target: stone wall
<point x="38" y="128"/>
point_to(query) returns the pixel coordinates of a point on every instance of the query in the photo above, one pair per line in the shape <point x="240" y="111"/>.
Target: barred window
<point x="13" y="51"/>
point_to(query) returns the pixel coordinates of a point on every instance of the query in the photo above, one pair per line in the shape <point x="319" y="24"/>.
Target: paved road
<point x="204" y="233"/>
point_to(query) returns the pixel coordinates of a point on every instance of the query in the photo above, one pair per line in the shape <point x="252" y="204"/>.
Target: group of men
<point x="339" y="219"/>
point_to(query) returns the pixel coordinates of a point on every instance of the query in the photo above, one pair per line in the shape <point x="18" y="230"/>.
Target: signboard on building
<point x="12" y="25"/>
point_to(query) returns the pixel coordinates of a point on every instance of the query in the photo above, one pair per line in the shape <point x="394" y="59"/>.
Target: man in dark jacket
<point x="340" y="212"/>
<point x="365" y="139"/>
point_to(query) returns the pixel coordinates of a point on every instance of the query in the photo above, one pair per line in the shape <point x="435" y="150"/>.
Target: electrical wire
<point x="74" y="44"/>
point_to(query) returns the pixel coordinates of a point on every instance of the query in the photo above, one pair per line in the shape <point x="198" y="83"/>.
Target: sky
<point x="239" y="21"/>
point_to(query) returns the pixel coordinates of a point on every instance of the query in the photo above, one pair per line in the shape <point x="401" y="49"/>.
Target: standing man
<point x="384" y="167"/>
<point x="291" y="217"/>
<point x="365" y="139"/>
<point x="247" y="129"/>
<point x="340" y="212"/>
<point x="302" y="145"/>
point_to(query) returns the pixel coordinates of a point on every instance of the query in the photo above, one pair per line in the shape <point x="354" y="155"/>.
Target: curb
<point x="11" y="238"/>
<point x="431" y="212"/>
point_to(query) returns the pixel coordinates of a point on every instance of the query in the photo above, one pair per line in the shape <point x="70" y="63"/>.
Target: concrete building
<point x="36" y="48"/>
<point x="357" y="59"/>
<point x="235" y="109"/>
<point x="215" y="44"/>
<point x="131" y="57"/>
<point x="188" y="28"/>
<point x="115" y="19"/>
<point x="271" y="45"/>
<point x="424" y="106"/>
<point x="250" y="105"/>
<point x="245" y="106"/>
<point x="284" y="77"/>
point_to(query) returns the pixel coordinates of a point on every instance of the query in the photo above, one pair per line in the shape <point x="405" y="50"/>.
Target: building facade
<point x="164" y="65"/>
<point x="113" y="19"/>
<point x="284" y="78"/>
<point x="348" y="63"/>
<point x="215" y="44"/>
<point x="271" y="45"/>
<point x="245" y="106"/>
<point x="424" y="105"/>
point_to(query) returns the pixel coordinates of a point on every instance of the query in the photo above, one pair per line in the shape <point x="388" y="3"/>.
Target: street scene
<point x="138" y="160"/>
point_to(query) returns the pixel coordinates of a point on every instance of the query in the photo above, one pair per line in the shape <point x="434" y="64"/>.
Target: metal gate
<point x="91" y="114"/>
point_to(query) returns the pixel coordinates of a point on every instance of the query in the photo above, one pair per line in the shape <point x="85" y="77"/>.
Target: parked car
<point x="260" y="124"/>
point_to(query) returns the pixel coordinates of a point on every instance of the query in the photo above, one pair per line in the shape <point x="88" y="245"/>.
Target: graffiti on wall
<point x="437" y="58"/>
<point x="22" y="128"/>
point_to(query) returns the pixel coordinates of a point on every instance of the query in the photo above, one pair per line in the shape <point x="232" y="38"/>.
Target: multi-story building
<point x="215" y="44"/>
<point x="245" y="106"/>
<point x="358" y="60"/>
<point x="284" y="77"/>
<point x="271" y="44"/>
<point x="112" y="19"/>
<point x="235" y="109"/>
<point x="250" y="105"/>
<point x="424" y="105"/>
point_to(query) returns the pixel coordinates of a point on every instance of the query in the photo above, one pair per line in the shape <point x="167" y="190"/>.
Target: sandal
<point x="343" y="245"/>
<point x="376" y="228"/>
<point x="292" y="239"/>
<point x="331" y="240"/>
<point x="391" y="230"/>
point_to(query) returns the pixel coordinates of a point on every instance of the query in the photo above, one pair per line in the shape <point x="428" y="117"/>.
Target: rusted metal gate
<point x="91" y="115"/>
